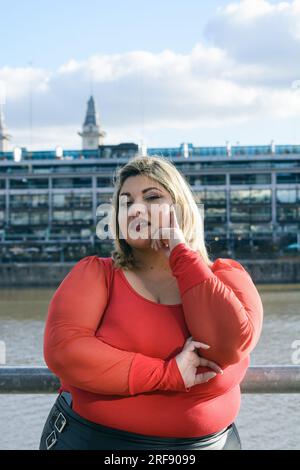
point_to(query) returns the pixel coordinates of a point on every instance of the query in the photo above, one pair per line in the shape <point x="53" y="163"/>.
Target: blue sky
<point x="164" y="72"/>
<point x="49" y="32"/>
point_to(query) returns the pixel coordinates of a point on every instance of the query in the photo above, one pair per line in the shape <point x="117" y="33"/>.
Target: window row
<point x="195" y="180"/>
<point x="206" y="197"/>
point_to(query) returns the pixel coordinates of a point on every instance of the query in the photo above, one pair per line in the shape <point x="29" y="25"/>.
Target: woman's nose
<point x="137" y="210"/>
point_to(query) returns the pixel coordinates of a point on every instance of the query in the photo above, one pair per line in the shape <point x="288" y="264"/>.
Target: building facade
<point x="251" y="198"/>
<point x="49" y="199"/>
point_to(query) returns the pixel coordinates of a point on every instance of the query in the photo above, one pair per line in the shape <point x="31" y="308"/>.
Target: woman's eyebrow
<point x="144" y="190"/>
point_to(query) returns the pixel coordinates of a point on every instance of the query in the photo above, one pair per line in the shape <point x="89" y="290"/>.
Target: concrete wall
<point x="33" y="275"/>
<point x="50" y="275"/>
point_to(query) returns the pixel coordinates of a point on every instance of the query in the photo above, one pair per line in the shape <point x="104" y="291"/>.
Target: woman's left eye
<point x="153" y="197"/>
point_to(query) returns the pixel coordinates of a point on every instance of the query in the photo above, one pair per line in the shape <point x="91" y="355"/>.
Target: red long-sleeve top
<point x="117" y="357"/>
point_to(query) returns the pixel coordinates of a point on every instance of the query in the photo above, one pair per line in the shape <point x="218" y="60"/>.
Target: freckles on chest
<point x="154" y="330"/>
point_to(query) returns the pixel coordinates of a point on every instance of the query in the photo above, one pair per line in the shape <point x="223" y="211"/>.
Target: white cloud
<point x="244" y="72"/>
<point x="260" y="33"/>
<point x="46" y="137"/>
<point x="19" y="81"/>
<point x="249" y="10"/>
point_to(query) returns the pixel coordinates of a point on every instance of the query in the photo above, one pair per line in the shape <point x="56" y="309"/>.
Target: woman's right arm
<point x="79" y="358"/>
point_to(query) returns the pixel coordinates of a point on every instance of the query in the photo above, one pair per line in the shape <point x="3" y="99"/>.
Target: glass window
<point x="250" y="179"/>
<point x="261" y="229"/>
<point x="106" y="152"/>
<point x="194" y="180"/>
<point x="287" y="214"/>
<point x="287" y="196"/>
<point x="72" y="183"/>
<point x="41" y="169"/>
<point x="38" y="200"/>
<point x="104" y="198"/>
<point x="240" y="228"/>
<point x="213" y="213"/>
<point x="82" y="215"/>
<point x="82" y="200"/>
<point x="75" y="200"/>
<point x="19" y="218"/>
<point x="62" y="216"/>
<point x="248" y="196"/>
<point x="240" y="196"/>
<point x="39" y="218"/>
<point x="25" y="183"/>
<point x="288" y="178"/>
<point x="39" y="232"/>
<point x="261" y="214"/>
<point x="19" y="200"/>
<point x="250" y="214"/>
<point x="213" y="179"/>
<point x="239" y="214"/>
<point x="260" y="195"/>
<point x="60" y="200"/>
<point x="104" y="182"/>
<point x="215" y="229"/>
<point x="215" y="197"/>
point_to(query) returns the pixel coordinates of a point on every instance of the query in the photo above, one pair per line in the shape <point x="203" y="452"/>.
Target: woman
<point x="124" y="333"/>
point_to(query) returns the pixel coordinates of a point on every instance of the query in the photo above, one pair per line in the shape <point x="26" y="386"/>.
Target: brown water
<point x="265" y="421"/>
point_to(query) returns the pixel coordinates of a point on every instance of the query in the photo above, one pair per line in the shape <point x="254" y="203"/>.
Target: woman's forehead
<point x="139" y="183"/>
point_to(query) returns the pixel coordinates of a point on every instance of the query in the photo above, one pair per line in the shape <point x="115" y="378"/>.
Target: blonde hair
<point x="166" y="174"/>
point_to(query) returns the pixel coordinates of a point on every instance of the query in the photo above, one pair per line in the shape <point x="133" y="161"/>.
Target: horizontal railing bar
<point x="258" y="379"/>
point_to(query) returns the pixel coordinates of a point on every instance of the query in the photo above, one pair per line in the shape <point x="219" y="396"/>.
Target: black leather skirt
<point x="66" y="430"/>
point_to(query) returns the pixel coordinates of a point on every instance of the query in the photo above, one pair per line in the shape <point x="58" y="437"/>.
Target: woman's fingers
<point x="157" y="244"/>
<point x="201" y="345"/>
<point x="156" y="241"/>
<point x="190" y="345"/>
<point x="204" y="377"/>
<point x="211" y="364"/>
<point x="173" y="218"/>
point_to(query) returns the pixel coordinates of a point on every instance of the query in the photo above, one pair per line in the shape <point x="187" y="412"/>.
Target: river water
<point x="265" y="421"/>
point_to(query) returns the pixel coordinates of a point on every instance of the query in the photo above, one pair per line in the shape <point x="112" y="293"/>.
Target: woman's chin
<point x="139" y="242"/>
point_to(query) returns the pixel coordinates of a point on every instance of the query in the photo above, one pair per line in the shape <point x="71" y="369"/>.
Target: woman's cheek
<point x="164" y="215"/>
<point x="123" y="226"/>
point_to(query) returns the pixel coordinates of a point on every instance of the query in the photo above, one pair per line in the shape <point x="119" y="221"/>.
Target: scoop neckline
<point x="144" y="298"/>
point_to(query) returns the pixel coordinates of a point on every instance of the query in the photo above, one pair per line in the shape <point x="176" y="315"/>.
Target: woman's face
<point x="143" y="207"/>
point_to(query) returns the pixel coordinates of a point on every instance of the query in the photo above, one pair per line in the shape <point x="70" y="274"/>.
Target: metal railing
<point x="258" y="379"/>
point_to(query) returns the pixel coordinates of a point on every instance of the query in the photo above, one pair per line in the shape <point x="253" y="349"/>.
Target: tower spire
<point x="4" y="136"/>
<point x="92" y="135"/>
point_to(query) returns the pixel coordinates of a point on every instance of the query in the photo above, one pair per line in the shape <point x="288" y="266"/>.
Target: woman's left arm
<point x="222" y="307"/>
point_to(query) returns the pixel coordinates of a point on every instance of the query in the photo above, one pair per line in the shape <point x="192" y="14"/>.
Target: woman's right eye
<point x="125" y="203"/>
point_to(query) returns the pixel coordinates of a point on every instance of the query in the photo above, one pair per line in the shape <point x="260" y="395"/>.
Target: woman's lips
<point x="139" y="226"/>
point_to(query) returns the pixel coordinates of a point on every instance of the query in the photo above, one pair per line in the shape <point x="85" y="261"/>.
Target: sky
<point x="161" y="72"/>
